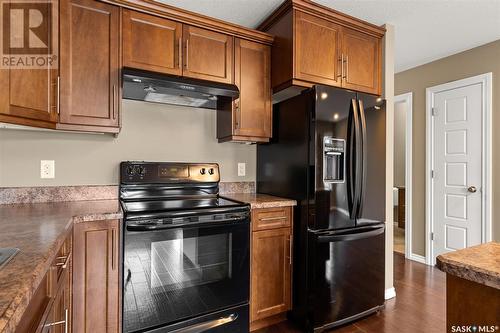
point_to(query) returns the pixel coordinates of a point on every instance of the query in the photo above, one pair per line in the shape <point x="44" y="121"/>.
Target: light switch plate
<point x="47" y="169"/>
<point x="241" y="169"/>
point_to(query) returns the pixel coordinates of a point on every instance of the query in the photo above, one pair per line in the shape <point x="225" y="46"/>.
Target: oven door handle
<point x="154" y="227"/>
<point x="208" y="325"/>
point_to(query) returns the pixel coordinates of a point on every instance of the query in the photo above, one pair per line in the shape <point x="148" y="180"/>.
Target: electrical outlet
<point x="241" y="169"/>
<point x="47" y="169"/>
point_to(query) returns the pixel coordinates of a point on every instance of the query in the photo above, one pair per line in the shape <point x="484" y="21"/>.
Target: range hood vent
<point x="157" y="88"/>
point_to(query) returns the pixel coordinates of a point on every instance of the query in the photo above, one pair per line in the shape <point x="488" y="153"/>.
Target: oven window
<point x="180" y="273"/>
<point x="186" y="262"/>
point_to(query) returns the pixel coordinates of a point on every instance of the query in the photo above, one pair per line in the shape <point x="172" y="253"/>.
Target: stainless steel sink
<point x="6" y="254"/>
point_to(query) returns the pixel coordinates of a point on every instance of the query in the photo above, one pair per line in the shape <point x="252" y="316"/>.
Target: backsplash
<point x="17" y="195"/>
<point x="150" y="132"/>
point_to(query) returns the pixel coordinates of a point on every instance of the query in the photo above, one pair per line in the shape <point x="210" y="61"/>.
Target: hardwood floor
<point x="419" y="307"/>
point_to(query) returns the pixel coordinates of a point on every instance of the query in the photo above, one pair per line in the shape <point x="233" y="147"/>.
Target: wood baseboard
<point x="269" y="321"/>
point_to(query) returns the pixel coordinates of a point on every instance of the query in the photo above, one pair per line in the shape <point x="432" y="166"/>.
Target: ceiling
<point x="426" y="30"/>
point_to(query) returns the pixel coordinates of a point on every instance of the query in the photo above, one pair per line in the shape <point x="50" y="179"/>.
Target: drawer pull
<point x="65" y="263"/>
<point x="274" y="218"/>
<point x="60" y="322"/>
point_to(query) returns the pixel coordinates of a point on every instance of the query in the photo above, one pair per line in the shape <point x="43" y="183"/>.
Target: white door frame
<point x="486" y="189"/>
<point x="408" y="99"/>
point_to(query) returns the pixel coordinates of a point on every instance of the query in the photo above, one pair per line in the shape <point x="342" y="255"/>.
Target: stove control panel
<point x="168" y="172"/>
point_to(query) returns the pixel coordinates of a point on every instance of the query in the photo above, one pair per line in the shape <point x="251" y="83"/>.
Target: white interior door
<point x="457" y="169"/>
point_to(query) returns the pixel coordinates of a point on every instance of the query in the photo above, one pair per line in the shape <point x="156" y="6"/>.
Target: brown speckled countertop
<point x="38" y="230"/>
<point x="479" y="264"/>
<point x="257" y="200"/>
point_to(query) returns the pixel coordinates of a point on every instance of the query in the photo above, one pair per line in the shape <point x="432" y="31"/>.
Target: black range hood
<point x="165" y="89"/>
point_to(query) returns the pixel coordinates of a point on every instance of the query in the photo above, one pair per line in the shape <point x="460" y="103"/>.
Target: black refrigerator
<point x="328" y="152"/>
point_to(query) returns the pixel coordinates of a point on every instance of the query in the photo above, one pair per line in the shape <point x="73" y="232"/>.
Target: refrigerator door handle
<point x="362" y="158"/>
<point x="361" y="233"/>
<point x="352" y="157"/>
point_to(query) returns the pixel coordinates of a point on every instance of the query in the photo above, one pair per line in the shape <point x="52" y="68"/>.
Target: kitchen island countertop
<point x="480" y="264"/>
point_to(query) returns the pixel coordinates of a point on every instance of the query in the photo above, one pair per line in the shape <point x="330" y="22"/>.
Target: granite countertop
<point x="479" y="264"/>
<point x="38" y="230"/>
<point x="257" y="200"/>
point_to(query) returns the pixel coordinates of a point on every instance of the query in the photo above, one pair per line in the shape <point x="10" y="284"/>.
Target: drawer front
<point x="271" y="218"/>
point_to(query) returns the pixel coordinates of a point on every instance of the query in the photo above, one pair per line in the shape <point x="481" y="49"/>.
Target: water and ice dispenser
<point x="333" y="160"/>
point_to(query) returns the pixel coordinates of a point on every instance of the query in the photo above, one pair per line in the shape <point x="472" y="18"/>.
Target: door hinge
<point x="434" y="111"/>
<point x="432" y="174"/>
<point x="432" y="236"/>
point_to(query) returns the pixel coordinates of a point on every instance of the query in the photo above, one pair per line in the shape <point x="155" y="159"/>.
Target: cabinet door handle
<point x="237" y="114"/>
<point x="113" y="252"/>
<point x="346" y="67"/>
<point x="58" y="89"/>
<point x="114" y="101"/>
<point x="341" y="61"/>
<point x="179" y="53"/>
<point x="187" y="53"/>
<point x="291" y="249"/>
<point x="66" y="315"/>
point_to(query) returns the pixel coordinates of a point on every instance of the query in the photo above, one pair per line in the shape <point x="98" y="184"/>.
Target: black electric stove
<point x="186" y="250"/>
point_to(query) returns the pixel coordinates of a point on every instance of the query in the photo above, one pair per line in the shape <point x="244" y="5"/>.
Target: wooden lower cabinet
<point x="271" y="267"/>
<point x="96" y="287"/>
<point x="50" y="308"/>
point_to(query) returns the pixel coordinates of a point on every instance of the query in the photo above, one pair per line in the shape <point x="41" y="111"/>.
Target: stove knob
<point x="211" y="171"/>
<point x="141" y="171"/>
<point x="202" y="171"/>
<point x="130" y="170"/>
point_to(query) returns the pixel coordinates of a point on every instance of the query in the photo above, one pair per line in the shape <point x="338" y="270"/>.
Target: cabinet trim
<point x="322" y="12"/>
<point x="194" y="19"/>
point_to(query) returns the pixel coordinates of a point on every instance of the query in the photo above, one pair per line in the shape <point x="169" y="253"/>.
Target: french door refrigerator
<point x="328" y="153"/>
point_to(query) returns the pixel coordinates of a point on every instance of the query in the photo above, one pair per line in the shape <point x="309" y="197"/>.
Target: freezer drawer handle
<point x="336" y="237"/>
<point x="208" y="325"/>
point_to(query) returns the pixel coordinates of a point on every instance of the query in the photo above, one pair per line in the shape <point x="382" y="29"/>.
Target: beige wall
<point x="150" y="132"/>
<point x="476" y="61"/>
<point x="399" y="143"/>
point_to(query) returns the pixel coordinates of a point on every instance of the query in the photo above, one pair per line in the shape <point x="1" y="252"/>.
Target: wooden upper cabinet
<point x="271" y="267"/>
<point x="207" y="55"/>
<point x="253" y="109"/>
<point x="317" y="50"/>
<point x="318" y="45"/>
<point x="29" y="95"/>
<point x="90" y="66"/>
<point x="362" y="61"/>
<point x="96" y="288"/>
<point x="151" y="43"/>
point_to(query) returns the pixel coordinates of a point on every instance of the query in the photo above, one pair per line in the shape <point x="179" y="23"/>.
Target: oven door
<point x="179" y="273"/>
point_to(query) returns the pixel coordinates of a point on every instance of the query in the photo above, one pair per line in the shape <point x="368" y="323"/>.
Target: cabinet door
<point x="29" y="95"/>
<point x="252" y="110"/>
<point x="317" y="50"/>
<point x="271" y="265"/>
<point x="151" y="43"/>
<point x="90" y="64"/>
<point x="362" y="68"/>
<point x="208" y="55"/>
<point x="96" y="277"/>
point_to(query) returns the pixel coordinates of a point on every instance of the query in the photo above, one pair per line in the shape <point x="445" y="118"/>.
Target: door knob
<point x="472" y="189"/>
